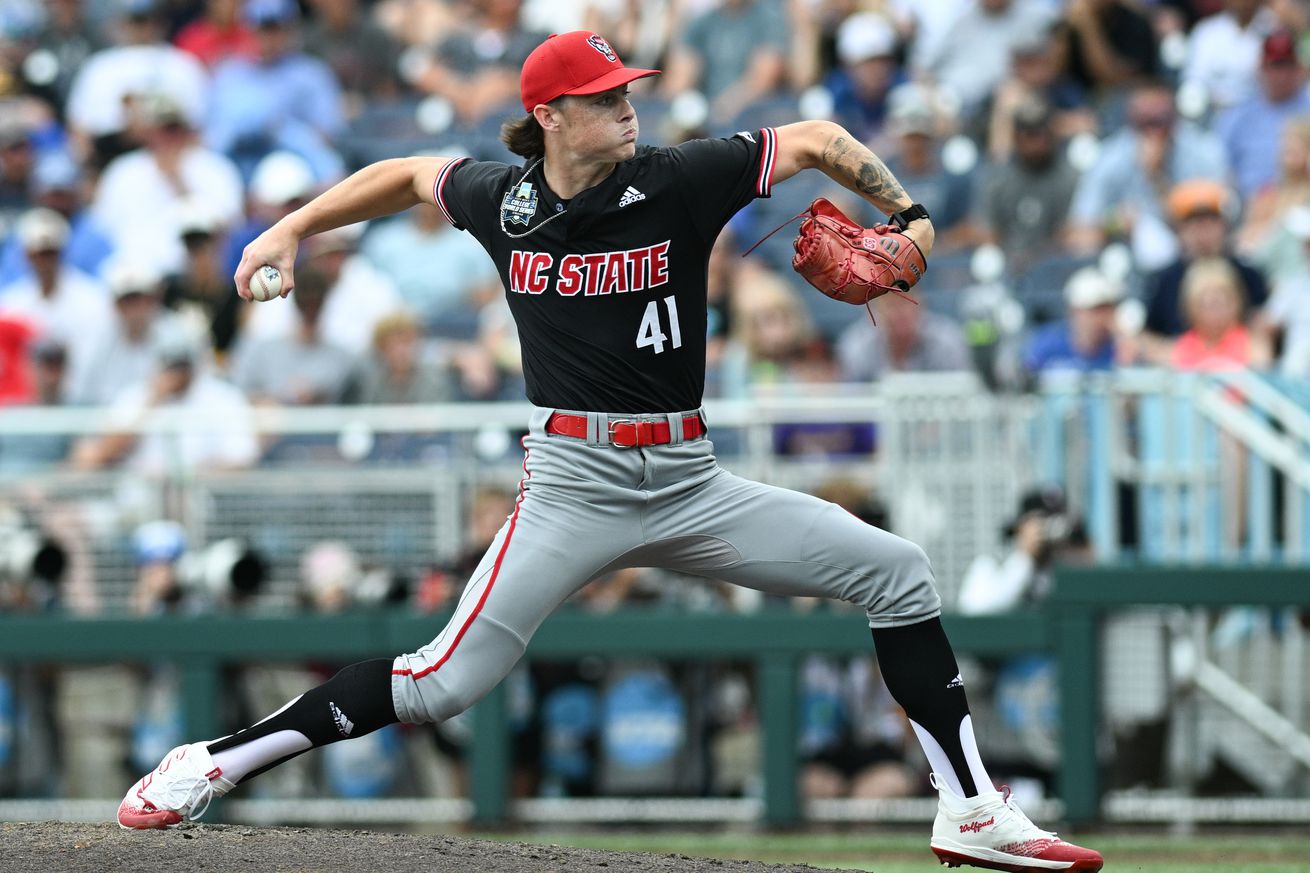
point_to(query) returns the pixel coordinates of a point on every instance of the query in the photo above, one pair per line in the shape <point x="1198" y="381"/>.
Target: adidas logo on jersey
<point x="631" y="196"/>
<point x="344" y="724"/>
<point x="957" y="682"/>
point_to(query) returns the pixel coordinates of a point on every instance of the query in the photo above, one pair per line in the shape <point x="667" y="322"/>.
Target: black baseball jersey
<point x="608" y="289"/>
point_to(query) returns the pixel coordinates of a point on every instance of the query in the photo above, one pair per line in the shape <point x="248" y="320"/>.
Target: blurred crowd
<point x="1113" y="182"/>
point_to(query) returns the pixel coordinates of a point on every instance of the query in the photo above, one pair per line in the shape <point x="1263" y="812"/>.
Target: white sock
<point x="941" y="765"/>
<point x="239" y="761"/>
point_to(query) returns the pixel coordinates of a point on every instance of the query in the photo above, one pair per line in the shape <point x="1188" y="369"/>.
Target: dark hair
<point x="524" y="137"/>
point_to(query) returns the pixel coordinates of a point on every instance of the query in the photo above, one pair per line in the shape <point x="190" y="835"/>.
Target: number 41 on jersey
<point x="651" y="332"/>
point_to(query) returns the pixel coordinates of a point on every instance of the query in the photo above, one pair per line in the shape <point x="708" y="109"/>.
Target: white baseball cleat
<point x="991" y="831"/>
<point x="179" y="789"/>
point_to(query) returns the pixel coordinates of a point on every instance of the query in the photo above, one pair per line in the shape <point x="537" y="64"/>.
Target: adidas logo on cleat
<point x="631" y="196"/>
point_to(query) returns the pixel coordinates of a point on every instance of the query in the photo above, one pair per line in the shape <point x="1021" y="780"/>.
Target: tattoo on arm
<point x="859" y="169"/>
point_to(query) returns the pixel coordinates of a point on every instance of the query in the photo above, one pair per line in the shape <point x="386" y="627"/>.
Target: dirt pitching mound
<point x="106" y="848"/>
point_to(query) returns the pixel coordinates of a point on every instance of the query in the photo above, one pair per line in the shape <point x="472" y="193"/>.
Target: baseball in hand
<point x="266" y="283"/>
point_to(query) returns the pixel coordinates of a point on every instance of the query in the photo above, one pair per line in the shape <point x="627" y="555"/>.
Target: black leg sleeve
<point x="919" y="668"/>
<point x="354" y="702"/>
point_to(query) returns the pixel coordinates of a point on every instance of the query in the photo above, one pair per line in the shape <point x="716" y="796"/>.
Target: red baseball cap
<point x="578" y="62"/>
<point x="1279" y="47"/>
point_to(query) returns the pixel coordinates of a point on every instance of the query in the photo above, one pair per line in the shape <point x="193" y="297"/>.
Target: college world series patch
<point x="519" y="204"/>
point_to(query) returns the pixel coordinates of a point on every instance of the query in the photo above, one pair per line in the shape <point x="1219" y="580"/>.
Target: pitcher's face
<point x="599" y="126"/>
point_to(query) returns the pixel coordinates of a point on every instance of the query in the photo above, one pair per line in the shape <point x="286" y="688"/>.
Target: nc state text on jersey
<point x="594" y="274"/>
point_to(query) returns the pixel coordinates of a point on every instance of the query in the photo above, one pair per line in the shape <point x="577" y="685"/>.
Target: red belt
<point x="626" y="433"/>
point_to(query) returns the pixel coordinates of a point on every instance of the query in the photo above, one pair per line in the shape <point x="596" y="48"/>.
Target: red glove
<point x="851" y="263"/>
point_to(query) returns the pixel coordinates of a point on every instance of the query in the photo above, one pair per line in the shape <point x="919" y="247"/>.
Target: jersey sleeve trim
<point x="438" y="189"/>
<point x="768" y="152"/>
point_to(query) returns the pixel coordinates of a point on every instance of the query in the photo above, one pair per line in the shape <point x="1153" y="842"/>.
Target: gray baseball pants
<point x="586" y="508"/>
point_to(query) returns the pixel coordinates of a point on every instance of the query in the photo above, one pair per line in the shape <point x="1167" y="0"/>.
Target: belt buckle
<point x="637" y="425"/>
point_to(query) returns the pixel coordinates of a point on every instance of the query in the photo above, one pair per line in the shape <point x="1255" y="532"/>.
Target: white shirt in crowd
<point x="1289" y="308"/>
<point x="1224" y="58"/>
<point x="77" y="313"/>
<point x="115" y="362"/>
<point x="214" y="428"/>
<point x="95" y="102"/>
<point x="142" y="208"/>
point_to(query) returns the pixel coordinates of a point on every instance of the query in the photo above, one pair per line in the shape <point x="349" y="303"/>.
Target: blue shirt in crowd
<point x="293" y="103"/>
<point x="1252" y="133"/>
<point x="1051" y="348"/>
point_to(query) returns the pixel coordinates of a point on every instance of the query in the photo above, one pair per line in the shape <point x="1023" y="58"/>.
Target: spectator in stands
<point x="49" y="367"/>
<point x="1111" y="44"/>
<point x="210" y="420"/>
<point x="868" y="69"/>
<point x="1122" y="194"/>
<point x="1045" y="532"/>
<point x="1219" y="341"/>
<point x="927" y="26"/>
<point x="282" y="182"/>
<point x="974" y="54"/>
<point x="201" y="292"/>
<point x="71" y="39"/>
<point x="218" y="33"/>
<point x="1023" y="202"/>
<point x="329" y="573"/>
<point x="399" y="371"/>
<point x="140" y="195"/>
<point x="772" y="333"/>
<point x="57" y="184"/>
<point x="917" y="123"/>
<point x="124" y="353"/>
<point x="282" y="98"/>
<point x="1085" y="339"/>
<point x="1252" y="129"/>
<point x="46" y="371"/>
<point x="49" y="361"/>
<point x="1223" y="51"/>
<point x="476" y="64"/>
<point x="57" y="299"/>
<point x="362" y="55"/>
<point x="301" y="368"/>
<point x="17" y="159"/>
<point x="360" y="295"/>
<point x="734" y="54"/>
<point x="157" y="546"/>
<point x="446" y="300"/>
<point x="1217" y="338"/>
<point x="774" y="343"/>
<point x="908" y="338"/>
<point x="1036" y="75"/>
<point x="491" y="367"/>
<point x="1262" y="236"/>
<point x="1286" y="318"/>
<point x="100" y="104"/>
<point x="726" y="267"/>
<point x="1201" y="211"/>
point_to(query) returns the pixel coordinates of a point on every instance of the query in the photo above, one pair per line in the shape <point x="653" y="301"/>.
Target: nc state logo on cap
<point x="577" y="62"/>
<point x="600" y="45"/>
